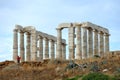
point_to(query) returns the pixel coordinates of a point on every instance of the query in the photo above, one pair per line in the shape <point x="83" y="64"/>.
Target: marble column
<point x="52" y="49"/>
<point x="90" y="42"/>
<point x="95" y="50"/>
<point x="46" y="49"/>
<point x="40" y="48"/>
<point x="15" y="45"/>
<point x="106" y="44"/>
<point x="78" y="44"/>
<point x="71" y="34"/>
<point x="101" y="46"/>
<point x="28" y="48"/>
<point x="34" y="46"/>
<point x="84" y="43"/>
<point x="59" y="41"/>
<point x="22" y="52"/>
<point x="63" y="51"/>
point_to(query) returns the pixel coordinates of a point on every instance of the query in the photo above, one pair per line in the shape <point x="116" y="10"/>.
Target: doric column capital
<point x="27" y="33"/>
<point x="64" y="44"/>
<point x="101" y="33"/>
<point x="45" y="38"/>
<point x="15" y="30"/>
<point x="89" y="28"/>
<point x="107" y="34"/>
<point x="40" y="37"/>
<point x="21" y="32"/>
<point x="51" y="40"/>
<point x="95" y="30"/>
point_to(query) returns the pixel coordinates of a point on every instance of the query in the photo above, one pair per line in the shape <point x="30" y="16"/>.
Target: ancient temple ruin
<point x="91" y="39"/>
<point x="33" y="38"/>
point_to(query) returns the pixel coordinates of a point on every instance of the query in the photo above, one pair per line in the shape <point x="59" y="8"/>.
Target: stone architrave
<point x="106" y="44"/>
<point x="28" y="47"/>
<point x="46" y="49"/>
<point x="84" y="42"/>
<point x="59" y="41"/>
<point x="90" y="42"/>
<point x="101" y="49"/>
<point x="52" y="49"/>
<point x="34" y="45"/>
<point x="22" y="53"/>
<point x="71" y="34"/>
<point x="78" y="44"/>
<point x="63" y="51"/>
<point x="15" y="45"/>
<point x="95" y="50"/>
<point x="40" y="48"/>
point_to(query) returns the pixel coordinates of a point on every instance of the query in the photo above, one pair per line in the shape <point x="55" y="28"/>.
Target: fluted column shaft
<point x="22" y="53"/>
<point x="71" y="42"/>
<point x="84" y="42"/>
<point x="34" y="46"/>
<point x="90" y="42"/>
<point x="46" y="49"/>
<point x="59" y="41"/>
<point x="41" y="48"/>
<point x="101" y="49"/>
<point x="106" y="43"/>
<point x="28" y="49"/>
<point x="63" y="51"/>
<point x="15" y="45"/>
<point x="78" y="44"/>
<point x="52" y="49"/>
<point x="95" y="42"/>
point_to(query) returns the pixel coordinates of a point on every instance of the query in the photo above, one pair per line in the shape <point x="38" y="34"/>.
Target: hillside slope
<point x="58" y="70"/>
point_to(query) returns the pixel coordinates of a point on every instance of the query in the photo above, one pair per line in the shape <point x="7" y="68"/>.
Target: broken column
<point x="22" y="53"/>
<point x="78" y="44"/>
<point x="28" y="49"/>
<point x="15" y="45"/>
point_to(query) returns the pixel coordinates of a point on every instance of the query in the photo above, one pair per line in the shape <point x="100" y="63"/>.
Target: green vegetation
<point x="97" y="76"/>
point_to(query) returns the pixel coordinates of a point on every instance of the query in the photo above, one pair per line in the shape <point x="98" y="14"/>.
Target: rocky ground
<point x="58" y="70"/>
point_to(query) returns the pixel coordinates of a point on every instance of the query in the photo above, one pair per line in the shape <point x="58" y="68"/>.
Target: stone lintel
<point x="50" y="37"/>
<point x="83" y="24"/>
<point x="94" y="26"/>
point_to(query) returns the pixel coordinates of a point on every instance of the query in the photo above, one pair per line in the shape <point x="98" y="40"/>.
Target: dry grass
<point x="53" y="69"/>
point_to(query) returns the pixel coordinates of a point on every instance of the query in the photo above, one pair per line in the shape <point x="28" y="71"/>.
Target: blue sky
<point x="45" y="15"/>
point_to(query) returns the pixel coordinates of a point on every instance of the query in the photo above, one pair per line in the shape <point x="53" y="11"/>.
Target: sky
<point x="46" y="15"/>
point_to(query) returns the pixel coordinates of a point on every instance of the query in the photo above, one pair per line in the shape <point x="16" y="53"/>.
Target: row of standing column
<point x="82" y="49"/>
<point x="95" y="47"/>
<point x="22" y="49"/>
<point x="31" y="47"/>
<point x="60" y="47"/>
<point x="52" y="49"/>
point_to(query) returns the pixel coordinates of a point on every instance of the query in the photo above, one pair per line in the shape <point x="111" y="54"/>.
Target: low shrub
<point x="97" y="76"/>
